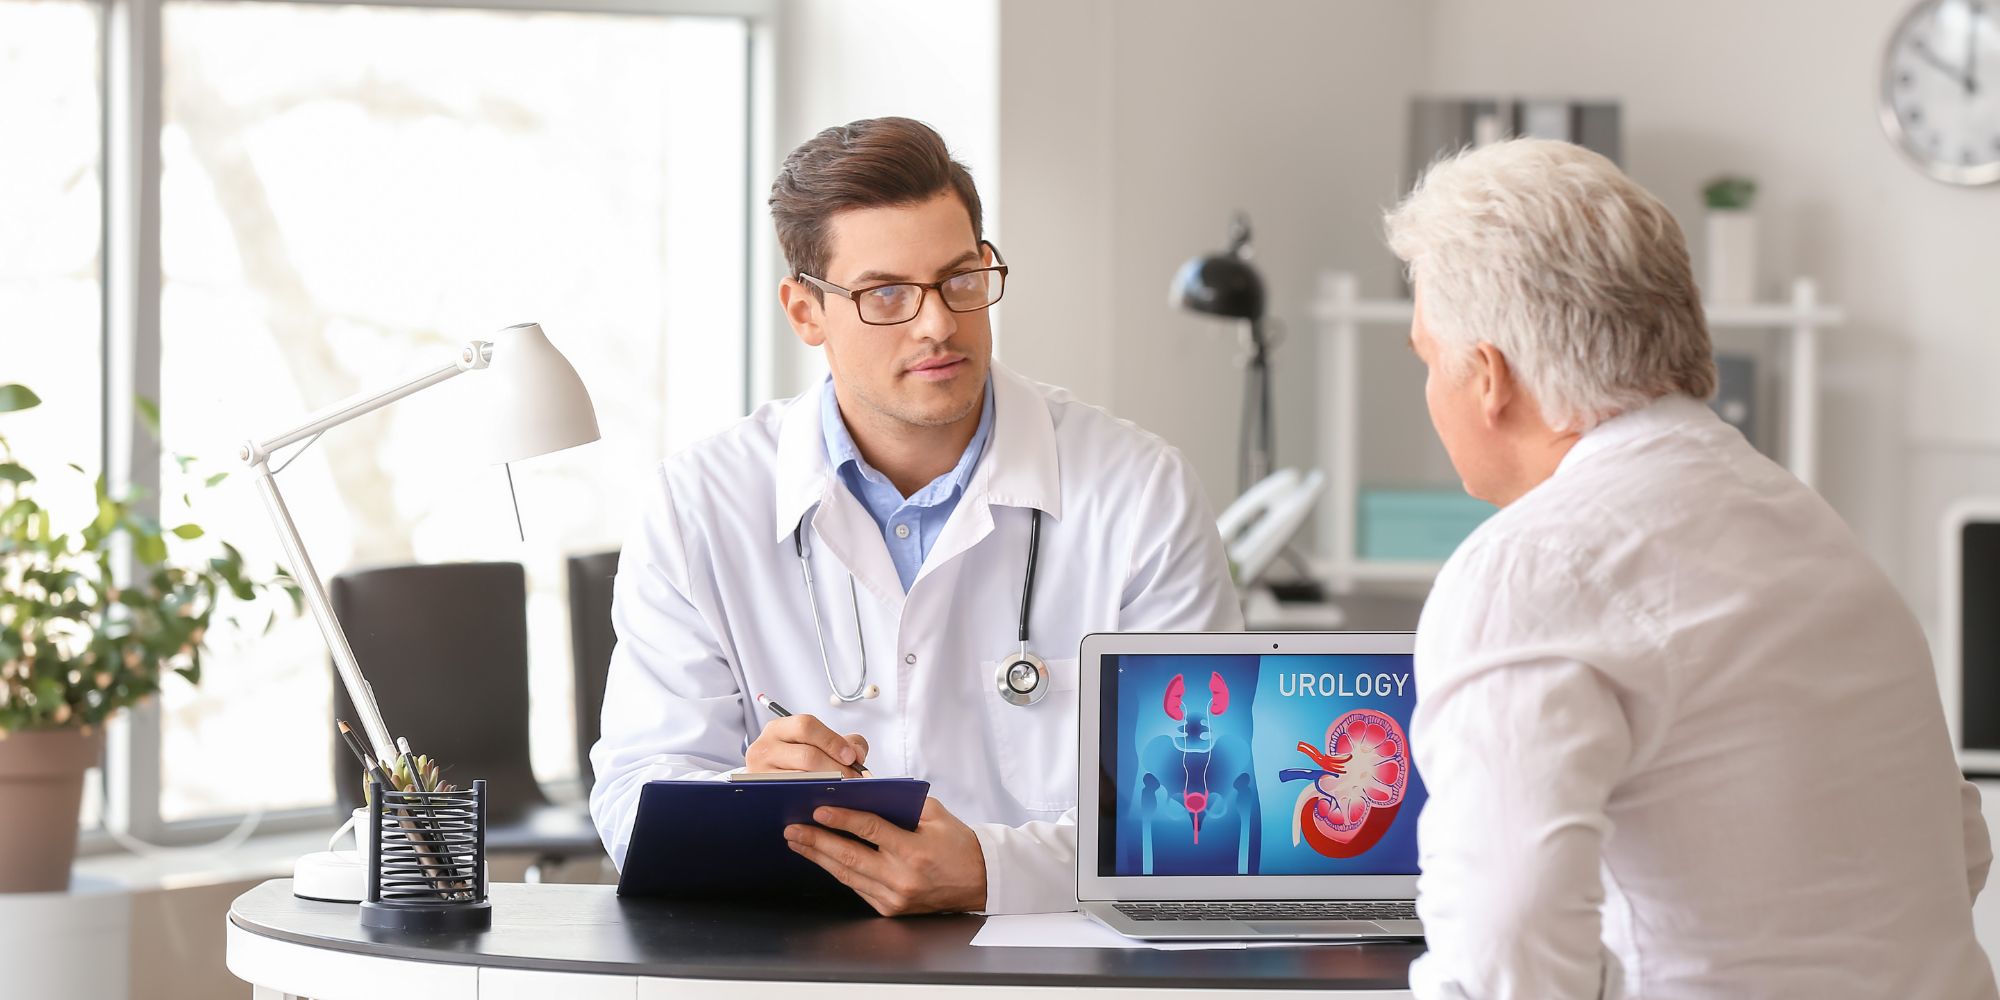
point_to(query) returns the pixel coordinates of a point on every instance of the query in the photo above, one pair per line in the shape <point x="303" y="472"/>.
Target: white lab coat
<point x="710" y="609"/>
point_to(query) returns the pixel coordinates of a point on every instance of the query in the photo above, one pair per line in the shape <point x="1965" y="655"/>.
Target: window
<point x="50" y="262"/>
<point x="347" y="192"/>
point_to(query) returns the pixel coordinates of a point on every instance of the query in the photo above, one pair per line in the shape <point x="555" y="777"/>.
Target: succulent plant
<point x="1729" y="193"/>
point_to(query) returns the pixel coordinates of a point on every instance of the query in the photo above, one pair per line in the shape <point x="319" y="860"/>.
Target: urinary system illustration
<point x="1197" y="778"/>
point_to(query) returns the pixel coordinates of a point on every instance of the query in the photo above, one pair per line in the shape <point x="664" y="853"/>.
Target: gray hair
<point x="1577" y="275"/>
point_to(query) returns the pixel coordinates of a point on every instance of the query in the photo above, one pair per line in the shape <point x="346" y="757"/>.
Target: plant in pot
<point x="79" y="642"/>
<point x="1732" y="240"/>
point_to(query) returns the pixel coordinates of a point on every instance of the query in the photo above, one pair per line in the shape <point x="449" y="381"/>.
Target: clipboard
<point x="726" y="839"/>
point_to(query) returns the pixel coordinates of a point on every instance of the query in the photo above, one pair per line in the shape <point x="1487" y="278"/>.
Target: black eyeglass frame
<point x="999" y="266"/>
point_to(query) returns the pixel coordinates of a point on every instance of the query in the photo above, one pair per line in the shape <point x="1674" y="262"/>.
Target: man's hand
<point x="939" y="868"/>
<point x="803" y="743"/>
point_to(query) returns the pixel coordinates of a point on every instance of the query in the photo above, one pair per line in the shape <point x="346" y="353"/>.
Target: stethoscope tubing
<point x="862" y="688"/>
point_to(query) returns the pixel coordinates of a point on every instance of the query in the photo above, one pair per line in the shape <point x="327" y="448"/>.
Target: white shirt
<point x="1682" y="739"/>
<point x="710" y="608"/>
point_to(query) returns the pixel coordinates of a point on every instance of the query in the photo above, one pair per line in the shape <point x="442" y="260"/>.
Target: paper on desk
<point x="1074" y="930"/>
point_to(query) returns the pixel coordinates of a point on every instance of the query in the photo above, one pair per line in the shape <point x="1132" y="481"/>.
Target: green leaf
<point x="151" y="549"/>
<point x="75" y="466"/>
<point x="14" y="396"/>
<point x="107" y="515"/>
<point x="14" y="473"/>
<point x="215" y="480"/>
<point x="188" y="531"/>
<point x="19" y="508"/>
<point x="149" y="411"/>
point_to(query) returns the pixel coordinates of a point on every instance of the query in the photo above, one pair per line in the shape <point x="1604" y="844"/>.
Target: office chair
<point x="446" y="649"/>
<point x="590" y="642"/>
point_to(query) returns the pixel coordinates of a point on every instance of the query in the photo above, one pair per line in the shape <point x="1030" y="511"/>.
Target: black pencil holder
<point x="427" y="860"/>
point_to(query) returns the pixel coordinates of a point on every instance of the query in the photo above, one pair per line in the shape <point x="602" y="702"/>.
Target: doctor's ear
<point x="804" y="310"/>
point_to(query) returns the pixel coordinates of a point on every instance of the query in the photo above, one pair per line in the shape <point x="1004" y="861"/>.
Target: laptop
<point x="1248" y="785"/>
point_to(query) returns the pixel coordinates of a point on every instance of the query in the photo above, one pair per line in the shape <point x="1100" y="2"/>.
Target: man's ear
<point x="803" y="310"/>
<point x="1497" y="388"/>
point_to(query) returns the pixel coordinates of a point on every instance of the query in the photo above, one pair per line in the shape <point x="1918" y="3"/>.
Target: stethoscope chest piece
<point x="1022" y="680"/>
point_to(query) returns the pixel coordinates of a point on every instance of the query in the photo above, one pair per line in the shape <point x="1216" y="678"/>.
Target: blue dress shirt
<point x="910" y="525"/>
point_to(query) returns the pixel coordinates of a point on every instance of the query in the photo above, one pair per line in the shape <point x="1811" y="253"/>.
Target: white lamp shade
<point x="533" y="403"/>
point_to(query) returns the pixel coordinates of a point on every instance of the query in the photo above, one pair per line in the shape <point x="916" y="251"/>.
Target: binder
<point x="726" y="839"/>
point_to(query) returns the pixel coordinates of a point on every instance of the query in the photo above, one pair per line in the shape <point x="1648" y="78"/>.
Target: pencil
<point x="354" y="745"/>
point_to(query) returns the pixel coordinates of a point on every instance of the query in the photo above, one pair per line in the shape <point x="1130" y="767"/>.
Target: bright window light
<point x="350" y="190"/>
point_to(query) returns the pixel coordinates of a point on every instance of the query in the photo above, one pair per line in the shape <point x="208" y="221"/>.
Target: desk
<point x="580" y="942"/>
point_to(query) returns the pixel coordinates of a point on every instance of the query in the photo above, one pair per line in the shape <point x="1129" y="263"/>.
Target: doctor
<point x="907" y="555"/>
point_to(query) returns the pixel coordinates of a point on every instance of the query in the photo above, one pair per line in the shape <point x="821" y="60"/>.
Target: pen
<point x="785" y="713"/>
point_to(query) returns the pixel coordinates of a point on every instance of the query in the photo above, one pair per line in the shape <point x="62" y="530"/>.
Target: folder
<point x="726" y="839"/>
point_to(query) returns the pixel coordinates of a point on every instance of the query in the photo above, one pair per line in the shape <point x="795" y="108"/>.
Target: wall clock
<point x="1940" y="100"/>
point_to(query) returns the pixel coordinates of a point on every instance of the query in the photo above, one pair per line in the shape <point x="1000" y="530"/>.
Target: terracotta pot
<point x="41" y="786"/>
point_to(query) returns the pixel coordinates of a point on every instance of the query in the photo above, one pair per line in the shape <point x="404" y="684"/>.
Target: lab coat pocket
<point x="1036" y="743"/>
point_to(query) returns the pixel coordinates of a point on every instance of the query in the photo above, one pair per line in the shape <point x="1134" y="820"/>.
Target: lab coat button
<point x="909" y="657"/>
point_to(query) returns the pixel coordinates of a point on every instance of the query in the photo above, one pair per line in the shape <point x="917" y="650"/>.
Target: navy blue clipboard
<point x="726" y="839"/>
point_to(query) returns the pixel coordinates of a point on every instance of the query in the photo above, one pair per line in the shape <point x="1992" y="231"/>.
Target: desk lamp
<point x="1226" y="284"/>
<point x="533" y="404"/>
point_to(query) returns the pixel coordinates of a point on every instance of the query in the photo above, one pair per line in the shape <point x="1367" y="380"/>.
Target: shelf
<point x="1748" y="316"/>
<point x="1389" y="570"/>
<point x="1342" y="314"/>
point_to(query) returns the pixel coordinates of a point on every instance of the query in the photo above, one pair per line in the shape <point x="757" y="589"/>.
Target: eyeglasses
<point x="901" y="301"/>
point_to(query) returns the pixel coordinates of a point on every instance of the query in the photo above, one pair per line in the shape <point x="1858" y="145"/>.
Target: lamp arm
<point x="472" y="355"/>
<point x="257" y="454"/>
<point x="380" y="743"/>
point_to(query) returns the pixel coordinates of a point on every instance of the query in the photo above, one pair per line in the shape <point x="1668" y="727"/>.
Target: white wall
<point x="1785" y="91"/>
<point x="1112" y="140"/>
<point x="841" y="60"/>
<point x="1133" y="132"/>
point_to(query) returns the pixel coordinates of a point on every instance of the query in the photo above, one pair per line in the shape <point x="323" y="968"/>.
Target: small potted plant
<point x="78" y="642"/>
<point x="1732" y="240"/>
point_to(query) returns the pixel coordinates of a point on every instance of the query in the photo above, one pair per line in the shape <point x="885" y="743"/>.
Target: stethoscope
<point x="1021" y="680"/>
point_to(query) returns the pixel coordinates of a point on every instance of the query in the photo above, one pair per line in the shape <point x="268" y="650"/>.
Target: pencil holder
<point x="427" y="860"/>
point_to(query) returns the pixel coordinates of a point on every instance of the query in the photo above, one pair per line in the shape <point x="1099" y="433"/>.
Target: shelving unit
<point x="1342" y="315"/>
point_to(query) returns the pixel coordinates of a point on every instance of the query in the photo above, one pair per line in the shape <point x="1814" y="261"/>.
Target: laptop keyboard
<point x="1338" y="909"/>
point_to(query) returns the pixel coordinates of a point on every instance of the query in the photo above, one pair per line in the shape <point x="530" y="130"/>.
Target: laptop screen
<point x="1280" y="764"/>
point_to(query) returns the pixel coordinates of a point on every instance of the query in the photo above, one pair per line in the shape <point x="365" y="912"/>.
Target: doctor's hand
<point x="938" y="868"/>
<point x="803" y="743"/>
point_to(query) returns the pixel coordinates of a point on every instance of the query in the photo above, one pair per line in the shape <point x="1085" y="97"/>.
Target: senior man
<point x="1680" y="734"/>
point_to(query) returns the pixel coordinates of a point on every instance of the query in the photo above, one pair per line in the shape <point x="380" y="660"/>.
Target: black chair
<point x="446" y="649"/>
<point x="590" y="642"/>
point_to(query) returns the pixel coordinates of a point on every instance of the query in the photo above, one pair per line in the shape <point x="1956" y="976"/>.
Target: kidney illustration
<point x="1355" y="787"/>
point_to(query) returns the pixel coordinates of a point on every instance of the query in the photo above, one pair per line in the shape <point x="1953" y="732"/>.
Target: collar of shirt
<point x="918" y="519"/>
<point x="846" y="459"/>
<point x="1021" y="471"/>
<point x="1661" y="416"/>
